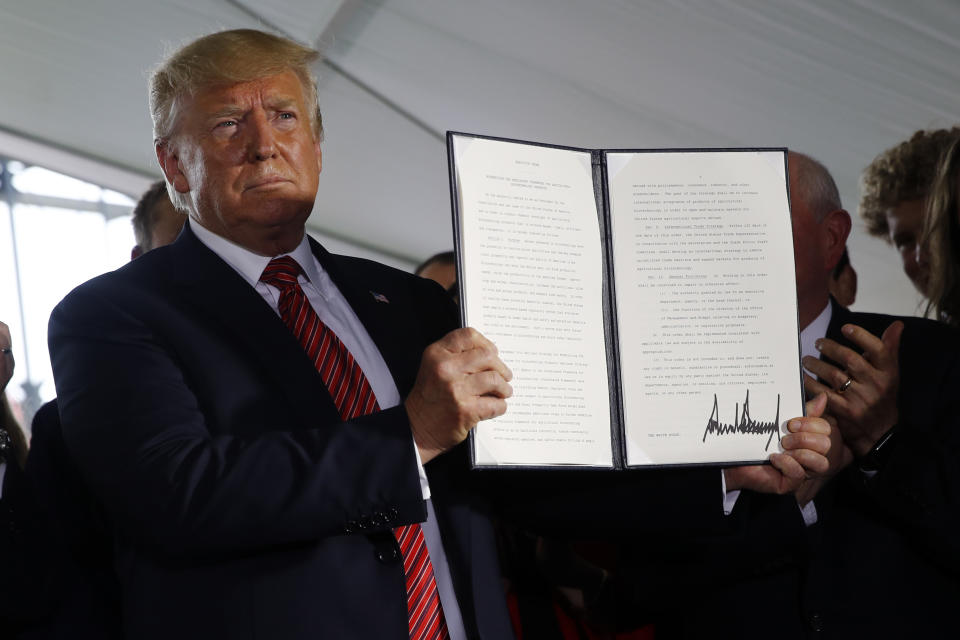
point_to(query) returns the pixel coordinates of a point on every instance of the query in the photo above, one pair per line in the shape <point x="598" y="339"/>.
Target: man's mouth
<point x="265" y="183"/>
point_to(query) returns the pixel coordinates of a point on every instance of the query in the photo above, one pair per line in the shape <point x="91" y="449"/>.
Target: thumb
<point x="816" y="407"/>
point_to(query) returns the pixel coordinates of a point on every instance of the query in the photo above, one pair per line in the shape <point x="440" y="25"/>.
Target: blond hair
<point x="902" y="173"/>
<point x="941" y="238"/>
<point x="225" y="58"/>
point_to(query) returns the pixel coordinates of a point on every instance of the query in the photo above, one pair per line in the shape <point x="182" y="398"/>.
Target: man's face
<point x="248" y="159"/>
<point x="906" y="225"/>
<point x="165" y="223"/>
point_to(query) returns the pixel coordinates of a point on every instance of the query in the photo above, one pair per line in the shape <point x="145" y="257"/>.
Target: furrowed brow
<point x="281" y="104"/>
<point x="230" y="110"/>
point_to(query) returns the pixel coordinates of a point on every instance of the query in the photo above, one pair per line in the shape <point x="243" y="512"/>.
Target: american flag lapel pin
<point x="379" y="297"/>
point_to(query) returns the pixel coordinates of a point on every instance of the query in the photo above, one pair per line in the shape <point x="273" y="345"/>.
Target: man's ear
<point x="319" y="153"/>
<point x="836" y="228"/>
<point x="170" y="164"/>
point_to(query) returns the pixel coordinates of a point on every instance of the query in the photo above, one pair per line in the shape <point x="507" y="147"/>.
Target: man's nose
<point x="262" y="142"/>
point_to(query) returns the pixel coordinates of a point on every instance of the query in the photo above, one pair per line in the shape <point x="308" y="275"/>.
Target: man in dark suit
<point x="882" y="559"/>
<point x="887" y="561"/>
<point x="272" y="429"/>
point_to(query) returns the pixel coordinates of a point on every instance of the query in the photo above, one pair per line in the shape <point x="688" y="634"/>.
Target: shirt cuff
<point x="424" y="483"/>
<point x="729" y="498"/>
<point x="809" y="513"/>
<point x="3" y="471"/>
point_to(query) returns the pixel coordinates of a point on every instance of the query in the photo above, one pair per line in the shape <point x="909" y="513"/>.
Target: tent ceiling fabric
<point x="839" y="80"/>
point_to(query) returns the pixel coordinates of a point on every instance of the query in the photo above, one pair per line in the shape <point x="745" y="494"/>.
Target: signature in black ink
<point x="741" y="423"/>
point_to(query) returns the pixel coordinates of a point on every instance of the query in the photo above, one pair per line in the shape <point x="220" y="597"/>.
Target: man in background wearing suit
<point x="887" y="556"/>
<point x="882" y="557"/>
<point x="273" y="429"/>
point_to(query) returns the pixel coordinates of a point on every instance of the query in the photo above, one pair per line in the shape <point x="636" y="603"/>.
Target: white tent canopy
<point x="840" y="80"/>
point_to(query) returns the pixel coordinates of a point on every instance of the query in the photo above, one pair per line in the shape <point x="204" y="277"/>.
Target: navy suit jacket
<point x="243" y="506"/>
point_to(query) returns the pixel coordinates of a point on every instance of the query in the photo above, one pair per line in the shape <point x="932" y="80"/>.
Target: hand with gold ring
<point x="862" y="391"/>
<point x="845" y="385"/>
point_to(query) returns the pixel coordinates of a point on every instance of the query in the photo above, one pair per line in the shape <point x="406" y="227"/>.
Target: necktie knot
<point x="281" y="272"/>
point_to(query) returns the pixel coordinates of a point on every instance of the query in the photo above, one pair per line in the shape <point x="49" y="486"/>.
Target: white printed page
<point x="532" y="273"/>
<point x="705" y="303"/>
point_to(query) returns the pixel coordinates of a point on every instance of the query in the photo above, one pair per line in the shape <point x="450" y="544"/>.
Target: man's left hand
<point x="866" y="407"/>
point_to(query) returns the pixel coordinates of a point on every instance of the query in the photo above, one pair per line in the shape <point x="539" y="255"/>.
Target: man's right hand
<point x="461" y="382"/>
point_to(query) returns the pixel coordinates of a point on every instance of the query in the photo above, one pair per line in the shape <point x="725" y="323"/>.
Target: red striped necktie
<point x="354" y="397"/>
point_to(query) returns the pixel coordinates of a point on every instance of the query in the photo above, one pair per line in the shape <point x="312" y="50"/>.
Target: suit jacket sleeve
<point x="193" y="449"/>
<point x="918" y="489"/>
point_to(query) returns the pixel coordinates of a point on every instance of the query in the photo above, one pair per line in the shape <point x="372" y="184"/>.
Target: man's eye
<point x="226" y="123"/>
<point x="286" y="115"/>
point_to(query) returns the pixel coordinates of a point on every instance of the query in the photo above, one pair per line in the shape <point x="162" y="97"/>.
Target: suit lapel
<point x="387" y="320"/>
<point x="225" y="300"/>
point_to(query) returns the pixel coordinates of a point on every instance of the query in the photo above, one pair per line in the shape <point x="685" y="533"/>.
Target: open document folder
<point x="645" y="301"/>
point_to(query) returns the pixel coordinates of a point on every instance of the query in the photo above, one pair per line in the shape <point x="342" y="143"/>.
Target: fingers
<point x="818" y="442"/>
<point x="809" y="424"/>
<point x="850" y="363"/>
<point x="473" y="352"/>
<point x="814" y="387"/>
<point x="488" y="383"/>
<point x="815" y="408"/>
<point x="789" y="468"/>
<point x="488" y="407"/>
<point x="811" y="462"/>
<point x="880" y="352"/>
<point x="891" y="340"/>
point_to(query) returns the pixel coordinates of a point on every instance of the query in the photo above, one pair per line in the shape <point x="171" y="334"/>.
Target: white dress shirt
<point x="334" y="310"/>
<point x="814" y="331"/>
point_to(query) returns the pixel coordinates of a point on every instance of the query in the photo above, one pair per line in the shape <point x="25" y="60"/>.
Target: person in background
<point x="882" y="558"/>
<point x="843" y="281"/>
<point x="442" y="269"/>
<point x="894" y="191"/>
<point x="13" y="444"/>
<point x="156" y="222"/>
<point x="941" y="239"/>
<point x="26" y="566"/>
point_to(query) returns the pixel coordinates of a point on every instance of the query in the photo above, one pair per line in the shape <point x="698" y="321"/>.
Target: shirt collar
<point x="814" y="331"/>
<point x="248" y="264"/>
